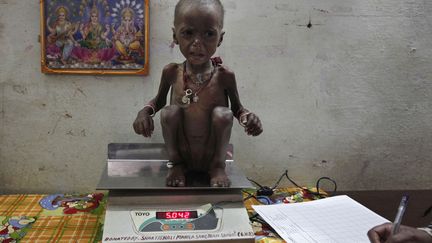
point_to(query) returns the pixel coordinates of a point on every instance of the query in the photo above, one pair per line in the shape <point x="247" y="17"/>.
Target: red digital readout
<point x="177" y="215"/>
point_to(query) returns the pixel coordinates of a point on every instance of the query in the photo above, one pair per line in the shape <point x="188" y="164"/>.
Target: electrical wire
<point x="285" y="174"/>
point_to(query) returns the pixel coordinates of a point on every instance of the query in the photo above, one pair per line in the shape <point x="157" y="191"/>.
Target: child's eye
<point x="187" y="33"/>
<point x="210" y="34"/>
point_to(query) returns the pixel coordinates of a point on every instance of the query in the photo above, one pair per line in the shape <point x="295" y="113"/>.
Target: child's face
<point x="198" y="33"/>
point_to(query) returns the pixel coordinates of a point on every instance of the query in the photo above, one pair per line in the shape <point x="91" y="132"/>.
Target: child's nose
<point x="197" y="41"/>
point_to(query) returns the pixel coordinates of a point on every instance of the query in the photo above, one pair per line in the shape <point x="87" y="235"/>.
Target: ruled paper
<point x="334" y="219"/>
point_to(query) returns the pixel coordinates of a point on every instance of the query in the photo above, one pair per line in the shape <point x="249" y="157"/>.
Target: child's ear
<point x="221" y="38"/>
<point x="175" y="41"/>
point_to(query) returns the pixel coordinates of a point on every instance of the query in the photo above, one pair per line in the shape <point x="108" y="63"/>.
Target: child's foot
<point x="176" y="177"/>
<point x="218" y="178"/>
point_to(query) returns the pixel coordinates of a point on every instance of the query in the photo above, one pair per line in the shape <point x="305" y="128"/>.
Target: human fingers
<point x="148" y="127"/>
<point x="251" y="130"/>
<point x="374" y="237"/>
<point x="138" y="126"/>
<point x="253" y="120"/>
<point x="409" y="234"/>
<point x="250" y="123"/>
<point x="254" y="127"/>
<point x="258" y="128"/>
<point x="151" y="126"/>
<point x="250" y="117"/>
<point x="379" y="233"/>
<point x="257" y="131"/>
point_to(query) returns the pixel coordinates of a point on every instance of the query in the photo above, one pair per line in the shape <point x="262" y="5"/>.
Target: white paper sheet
<point x="335" y="219"/>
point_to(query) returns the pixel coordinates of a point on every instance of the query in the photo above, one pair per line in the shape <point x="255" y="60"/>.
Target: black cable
<point x="267" y="191"/>
<point x="317" y="193"/>
<point x="250" y="195"/>
<point x="263" y="190"/>
<point x="325" y="178"/>
<point x="278" y="181"/>
<point x="256" y="218"/>
<point x="293" y="182"/>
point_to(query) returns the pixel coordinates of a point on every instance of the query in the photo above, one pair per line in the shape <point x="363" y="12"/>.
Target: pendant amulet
<point x="195" y="98"/>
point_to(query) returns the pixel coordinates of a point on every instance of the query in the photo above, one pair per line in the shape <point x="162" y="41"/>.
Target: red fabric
<point x="216" y="60"/>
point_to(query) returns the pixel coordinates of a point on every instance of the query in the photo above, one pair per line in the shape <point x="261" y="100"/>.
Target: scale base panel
<point x="232" y="222"/>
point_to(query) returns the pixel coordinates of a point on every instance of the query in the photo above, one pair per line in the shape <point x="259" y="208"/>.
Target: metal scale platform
<point x="142" y="209"/>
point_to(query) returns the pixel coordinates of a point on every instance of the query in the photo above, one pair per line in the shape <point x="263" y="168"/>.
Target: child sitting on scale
<point x="197" y="124"/>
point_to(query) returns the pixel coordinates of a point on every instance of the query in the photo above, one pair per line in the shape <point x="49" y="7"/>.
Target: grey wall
<point x="348" y="98"/>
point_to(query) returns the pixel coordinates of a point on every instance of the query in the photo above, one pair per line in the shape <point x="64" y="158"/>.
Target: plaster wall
<point x="343" y="88"/>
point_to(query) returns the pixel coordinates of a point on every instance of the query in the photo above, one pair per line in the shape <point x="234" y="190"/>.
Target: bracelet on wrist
<point x="241" y="118"/>
<point x="153" y="109"/>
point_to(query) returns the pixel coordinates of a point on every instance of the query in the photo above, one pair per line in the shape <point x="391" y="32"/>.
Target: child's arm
<point x="247" y="119"/>
<point x="143" y="123"/>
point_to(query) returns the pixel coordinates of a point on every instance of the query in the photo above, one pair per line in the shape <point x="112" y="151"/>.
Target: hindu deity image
<point x="95" y="34"/>
<point x="127" y="37"/>
<point x="94" y="46"/>
<point x="60" y="38"/>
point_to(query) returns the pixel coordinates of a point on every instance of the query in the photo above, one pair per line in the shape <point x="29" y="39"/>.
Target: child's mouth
<point x="197" y="55"/>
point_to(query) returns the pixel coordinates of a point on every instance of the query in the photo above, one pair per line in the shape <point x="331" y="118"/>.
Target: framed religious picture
<point x="95" y="36"/>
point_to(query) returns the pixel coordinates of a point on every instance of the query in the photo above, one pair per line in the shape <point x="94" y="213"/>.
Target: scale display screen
<point x="177" y="215"/>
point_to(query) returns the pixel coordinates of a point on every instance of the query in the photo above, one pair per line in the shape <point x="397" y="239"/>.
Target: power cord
<point x="268" y="191"/>
<point x="264" y="192"/>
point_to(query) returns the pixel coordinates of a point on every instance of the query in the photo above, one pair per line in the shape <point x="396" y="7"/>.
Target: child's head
<point x="198" y="29"/>
<point x="183" y="5"/>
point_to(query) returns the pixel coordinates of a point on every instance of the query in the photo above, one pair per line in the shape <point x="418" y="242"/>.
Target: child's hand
<point x="251" y="123"/>
<point x="143" y="123"/>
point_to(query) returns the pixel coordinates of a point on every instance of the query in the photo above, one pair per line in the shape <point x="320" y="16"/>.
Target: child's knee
<point x="222" y="116"/>
<point x="170" y="114"/>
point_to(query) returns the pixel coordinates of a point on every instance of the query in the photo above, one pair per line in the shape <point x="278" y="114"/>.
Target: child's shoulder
<point x="171" y="67"/>
<point x="226" y="74"/>
<point x="223" y="69"/>
<point x="170" y="70"/>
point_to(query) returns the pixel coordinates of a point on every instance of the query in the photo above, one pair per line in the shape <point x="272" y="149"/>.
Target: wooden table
<point x="385" y="203"/>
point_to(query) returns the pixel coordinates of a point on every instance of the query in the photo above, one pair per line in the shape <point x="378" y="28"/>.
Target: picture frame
<point x="95" y="37"/>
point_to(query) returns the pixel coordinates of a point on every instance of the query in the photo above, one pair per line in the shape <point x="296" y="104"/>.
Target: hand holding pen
<point x="401" y="210"/>
<point x="397" y="233"/>
<point x="382" y="233"/>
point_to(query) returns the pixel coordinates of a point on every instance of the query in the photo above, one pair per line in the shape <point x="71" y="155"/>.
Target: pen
<point x="399" y="215"/>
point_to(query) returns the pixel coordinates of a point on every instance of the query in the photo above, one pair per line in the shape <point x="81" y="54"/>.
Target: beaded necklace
<point x="189" y="94"/>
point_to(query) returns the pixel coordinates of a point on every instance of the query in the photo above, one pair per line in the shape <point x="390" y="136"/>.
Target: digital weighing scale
<point x="142" y="209"/>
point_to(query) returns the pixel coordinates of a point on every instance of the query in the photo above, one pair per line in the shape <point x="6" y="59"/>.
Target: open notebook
<point x="334" y="219"/>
